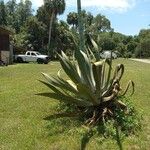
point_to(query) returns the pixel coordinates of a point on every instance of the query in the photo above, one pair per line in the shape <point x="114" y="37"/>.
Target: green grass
<point x="22" y="126"/>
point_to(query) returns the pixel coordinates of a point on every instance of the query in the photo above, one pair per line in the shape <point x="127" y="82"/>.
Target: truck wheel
<point x="46" y="62"/>
<point x="19" y="60"/>
<point x="40" y="61"/>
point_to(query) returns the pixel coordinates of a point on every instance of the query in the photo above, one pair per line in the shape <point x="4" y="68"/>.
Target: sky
<point x="127" y="16"/>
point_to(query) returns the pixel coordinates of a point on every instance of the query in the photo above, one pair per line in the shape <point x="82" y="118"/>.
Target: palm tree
<point x="53" y="7"/>
<point x="102" y="24"/>
<point x="72" y="19"/>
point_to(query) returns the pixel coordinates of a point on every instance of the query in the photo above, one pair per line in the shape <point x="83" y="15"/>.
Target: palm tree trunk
<point x="50" y="33"/>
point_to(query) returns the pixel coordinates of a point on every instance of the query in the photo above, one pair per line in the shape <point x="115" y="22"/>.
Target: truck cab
<point x="33" y="56"/>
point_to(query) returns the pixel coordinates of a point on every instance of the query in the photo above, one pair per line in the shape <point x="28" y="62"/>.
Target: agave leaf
<point x="73" y="38"/>
<point x="96" y="49"/>
<point x="106" y="76"/>
<point x="103" y="75"/>
<point x="116" y="78"/>
<point x="60" y="83"/>
<point x="87" y="93"/>
<point x="79" y="73"/>
<point x="69" y="68"/>
<point x="94" y="44"/>
<point x="86" y="70"/>
<point x="58" y="73"/>
<point x="130" y="83"/>
<point x="121" y="105"/>
<point x="53" y="88"/>
<point x="72" y="84"/>
<point x="119" y="72"/>
<point x="92" y="54"/>
<point x="106" y="92"/>
<point x="97" y="72"/>
<point x="88" y="53"/>
<point x="111" y="97"/>
<point x="66" y="99"/>
<point x="109" y="62"/>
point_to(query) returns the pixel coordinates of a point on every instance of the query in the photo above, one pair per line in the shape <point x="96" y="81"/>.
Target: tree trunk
<point x="50" y="32"/>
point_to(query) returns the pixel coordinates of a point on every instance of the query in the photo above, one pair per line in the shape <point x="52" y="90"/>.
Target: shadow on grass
<point x="86" y="138"/>
<point x="118" y="138"/>
<point x="50" y="95"/>
<point x="61" y="115"/>
<point x="88" y="135"/>
<point x="61" y="122"/>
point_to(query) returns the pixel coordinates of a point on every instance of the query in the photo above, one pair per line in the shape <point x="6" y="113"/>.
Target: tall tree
<point x="42" y="15"/>
<point x="53" y="7"/>
<point x="65" y="36"/>
<point x="17" y="14"/>
<point x="28" y="9"/>
<point x="3" y="20"/>
<point x="101" y="23"/>
<point x="36" y="32"/>
<point x="24" y="10"/>
<point x="12" y="16"/>
<point x="87" y="18"/>
<point x="143" y="48"/>
<point x="72" y="19"/>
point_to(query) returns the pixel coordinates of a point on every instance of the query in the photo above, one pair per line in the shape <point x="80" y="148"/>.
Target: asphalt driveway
<point x="142" y="60"/>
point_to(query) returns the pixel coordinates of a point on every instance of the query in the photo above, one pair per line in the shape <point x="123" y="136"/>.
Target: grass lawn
<point x="22" y="126"/>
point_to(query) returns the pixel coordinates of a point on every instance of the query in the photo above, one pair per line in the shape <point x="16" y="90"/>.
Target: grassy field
<point x="22" y="126"/>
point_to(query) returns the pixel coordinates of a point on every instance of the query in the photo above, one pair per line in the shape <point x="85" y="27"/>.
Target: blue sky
<point x="126" y="16"/>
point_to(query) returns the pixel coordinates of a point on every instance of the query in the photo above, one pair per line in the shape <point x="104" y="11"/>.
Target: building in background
<point x="6" y="50"/>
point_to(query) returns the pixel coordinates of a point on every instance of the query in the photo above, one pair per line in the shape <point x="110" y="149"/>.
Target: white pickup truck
<point x="32" y="56"/>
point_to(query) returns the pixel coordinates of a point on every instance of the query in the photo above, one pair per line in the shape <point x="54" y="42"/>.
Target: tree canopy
<point x="43" y="31"/>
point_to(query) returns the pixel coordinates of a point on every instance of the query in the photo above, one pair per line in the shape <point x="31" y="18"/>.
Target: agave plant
<point x="91" y="86"/>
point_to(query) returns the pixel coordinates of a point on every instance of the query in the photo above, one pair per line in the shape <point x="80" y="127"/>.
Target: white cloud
<point x="114" y="5"/>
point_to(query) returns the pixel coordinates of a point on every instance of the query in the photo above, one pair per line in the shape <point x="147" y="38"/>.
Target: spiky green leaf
<point x="87" y="93"/>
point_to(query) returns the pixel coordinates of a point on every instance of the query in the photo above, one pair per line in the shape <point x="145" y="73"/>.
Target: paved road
<point x="142" y="60"/>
